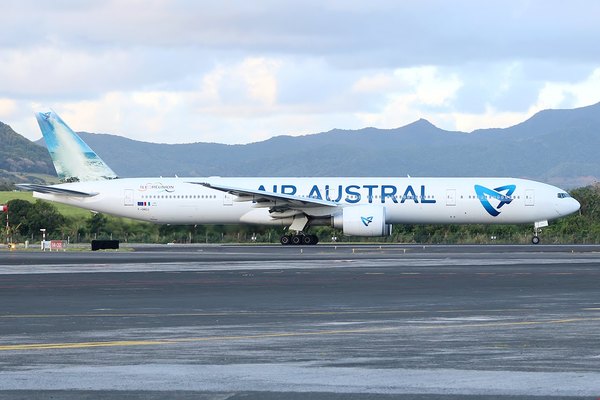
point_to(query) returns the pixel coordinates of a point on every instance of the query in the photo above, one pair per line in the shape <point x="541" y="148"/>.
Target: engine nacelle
<point x="364" y="220"/>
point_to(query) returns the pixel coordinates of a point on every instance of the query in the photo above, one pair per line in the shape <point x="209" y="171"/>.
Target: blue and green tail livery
<point x="73" y="159"/>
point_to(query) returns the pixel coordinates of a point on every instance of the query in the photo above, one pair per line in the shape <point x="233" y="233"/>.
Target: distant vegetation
<point x="76" y="225"/>
<point x="20" y="156"/>
<point x="6" y="185"/>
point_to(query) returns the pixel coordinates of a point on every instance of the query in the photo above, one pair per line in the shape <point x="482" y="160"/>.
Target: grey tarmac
<point x="324" y="322"/>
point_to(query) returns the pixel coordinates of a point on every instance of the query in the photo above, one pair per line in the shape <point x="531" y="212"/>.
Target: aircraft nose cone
<point x="576" y="206"/>
<point x="569" y="207"/>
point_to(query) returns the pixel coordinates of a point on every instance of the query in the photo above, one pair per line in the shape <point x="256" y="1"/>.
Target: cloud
<point x="388" y="33"/>
<point x="253" y="81"/>
<point x="62" y="73"/>
<point x="182" y="71"/>
<point x="411" y="91"/>
<point x="567" y="95"/>
<point x="433" y="92"/>
<point x="59" y="73"/>
<point x="8" y="108"/>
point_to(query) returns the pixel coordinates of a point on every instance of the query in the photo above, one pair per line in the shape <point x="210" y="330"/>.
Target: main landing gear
<point x="298" y="225"/>
<point x="300" y="239"/>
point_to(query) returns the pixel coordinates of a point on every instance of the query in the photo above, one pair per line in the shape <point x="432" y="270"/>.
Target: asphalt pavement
<point x="330" y="322"/>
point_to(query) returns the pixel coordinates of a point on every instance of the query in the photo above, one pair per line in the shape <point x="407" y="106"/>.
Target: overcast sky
<point x="243" y="71"/>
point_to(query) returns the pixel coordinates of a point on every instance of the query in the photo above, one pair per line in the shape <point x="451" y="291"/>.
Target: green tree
<point x="44" y="215"/>
<point x="97" y="225"/>
<point x="18" y="211"/>
<point x="28" y="218"/>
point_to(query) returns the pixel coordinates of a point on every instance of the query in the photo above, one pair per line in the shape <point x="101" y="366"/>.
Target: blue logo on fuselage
<point x="503" y="194"/>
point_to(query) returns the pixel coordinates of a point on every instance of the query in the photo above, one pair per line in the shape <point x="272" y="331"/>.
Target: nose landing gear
<point x="536" y="230"/>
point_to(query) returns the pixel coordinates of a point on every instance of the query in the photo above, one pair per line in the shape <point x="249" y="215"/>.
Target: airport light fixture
<point x="43" y="244"/>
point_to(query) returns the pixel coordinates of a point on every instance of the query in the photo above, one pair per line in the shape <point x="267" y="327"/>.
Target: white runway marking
<point x="201" y="266"/>
<point x="302" y="377"/>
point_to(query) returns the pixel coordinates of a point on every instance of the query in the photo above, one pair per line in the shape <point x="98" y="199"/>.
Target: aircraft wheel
<point x="297" y="239"/>
<point x="308" y="239"/>
<point x="315" y="239"/>
<point x="285" y="240"/>
<point x="535" y="240"/>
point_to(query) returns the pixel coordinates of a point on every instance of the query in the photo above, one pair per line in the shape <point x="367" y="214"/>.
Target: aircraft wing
<point x="276" y="199"/>
<point x="53" y="190"/>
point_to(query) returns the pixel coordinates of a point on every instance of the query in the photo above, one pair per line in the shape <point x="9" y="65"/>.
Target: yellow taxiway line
<point x="154" y="342"/>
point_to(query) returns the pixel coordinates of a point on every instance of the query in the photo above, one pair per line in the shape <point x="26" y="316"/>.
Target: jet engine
<point x="363" y="220"/>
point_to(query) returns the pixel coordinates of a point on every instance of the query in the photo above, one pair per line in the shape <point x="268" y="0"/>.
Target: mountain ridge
<point x="554" y="146"/>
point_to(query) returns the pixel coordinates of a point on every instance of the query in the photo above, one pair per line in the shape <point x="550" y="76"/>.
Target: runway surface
<point x="324" y="322"/>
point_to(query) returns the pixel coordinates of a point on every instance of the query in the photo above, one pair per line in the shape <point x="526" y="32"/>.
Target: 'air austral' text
<point x="355" y="193"/>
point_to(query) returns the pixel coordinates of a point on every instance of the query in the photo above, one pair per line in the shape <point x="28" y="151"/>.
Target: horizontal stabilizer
<point x="53" y="190"/>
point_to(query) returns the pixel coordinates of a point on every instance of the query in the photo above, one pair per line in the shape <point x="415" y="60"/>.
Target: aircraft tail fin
<point x="73" y="159"/>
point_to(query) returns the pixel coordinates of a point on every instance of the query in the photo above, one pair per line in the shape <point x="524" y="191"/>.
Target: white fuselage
<point x="406" y="200"/>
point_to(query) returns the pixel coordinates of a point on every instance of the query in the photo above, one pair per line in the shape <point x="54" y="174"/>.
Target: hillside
<point x="21" y="160"/>
<point x="18" y="154"/>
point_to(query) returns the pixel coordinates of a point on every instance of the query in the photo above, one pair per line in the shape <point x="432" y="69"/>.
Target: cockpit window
<point x="563" y="195"/>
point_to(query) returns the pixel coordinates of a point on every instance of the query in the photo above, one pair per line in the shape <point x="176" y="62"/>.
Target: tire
<point x="535" y="240"/>
<point x="308" y="240"/>
<point x="285" y="240"/>
<point x="297" y="239"/>
<point x="315" y="239"/>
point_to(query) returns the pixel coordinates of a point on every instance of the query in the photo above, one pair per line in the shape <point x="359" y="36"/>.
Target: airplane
<point x="359" y="206"/>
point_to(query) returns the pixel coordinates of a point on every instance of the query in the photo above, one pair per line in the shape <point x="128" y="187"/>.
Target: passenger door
<point x="529" y="197"/>
<point x="128" y="198"/>
<point x="451" y="197"/>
